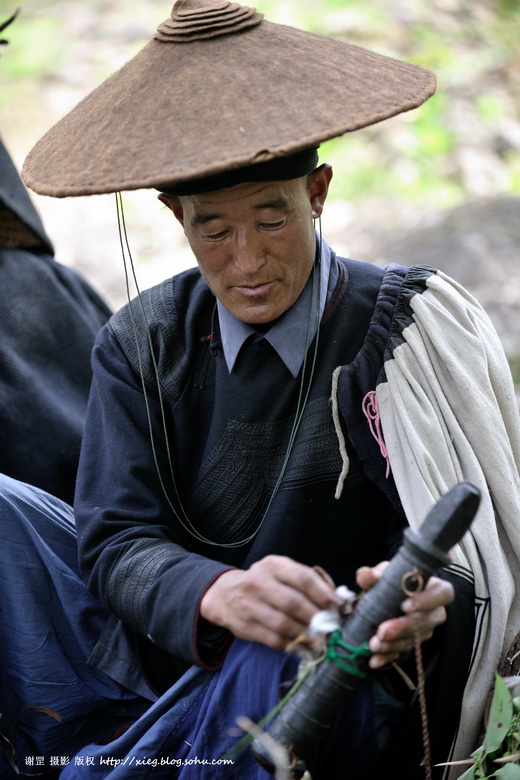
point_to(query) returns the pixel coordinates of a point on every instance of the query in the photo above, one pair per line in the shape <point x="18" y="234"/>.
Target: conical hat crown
<point x="218" y="88"/>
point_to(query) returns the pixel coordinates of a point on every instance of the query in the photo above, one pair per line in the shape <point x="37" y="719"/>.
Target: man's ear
<point x="173" y="202"/>
<point x="318" y="187"/>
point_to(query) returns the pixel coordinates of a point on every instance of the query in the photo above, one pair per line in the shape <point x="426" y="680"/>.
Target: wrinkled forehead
<point x="254" y="193"/>
<point x="244" y="199"/>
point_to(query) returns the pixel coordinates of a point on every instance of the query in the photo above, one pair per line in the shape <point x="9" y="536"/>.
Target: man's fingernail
<point x="375" y="644"/>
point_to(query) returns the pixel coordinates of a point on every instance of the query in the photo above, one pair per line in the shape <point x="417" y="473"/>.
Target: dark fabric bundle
<point x="49" y="318"/>
<point x="20" y="223"/>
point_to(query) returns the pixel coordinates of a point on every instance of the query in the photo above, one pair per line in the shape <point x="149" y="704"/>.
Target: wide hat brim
<point x="206" y="96"/>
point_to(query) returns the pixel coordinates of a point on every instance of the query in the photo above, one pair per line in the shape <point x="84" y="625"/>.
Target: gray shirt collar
<point x="291" y="335"/>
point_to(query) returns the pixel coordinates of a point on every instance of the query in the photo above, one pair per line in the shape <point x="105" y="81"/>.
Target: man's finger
<point x="367" y="576"/>
<point x="437" y="593"/>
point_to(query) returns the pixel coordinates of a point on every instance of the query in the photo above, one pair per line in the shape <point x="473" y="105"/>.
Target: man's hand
<point x="272" y="602"/>
<point x="425" y="611"/>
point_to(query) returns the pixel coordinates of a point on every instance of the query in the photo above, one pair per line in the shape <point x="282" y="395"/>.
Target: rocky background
<point x="440" y="185"/>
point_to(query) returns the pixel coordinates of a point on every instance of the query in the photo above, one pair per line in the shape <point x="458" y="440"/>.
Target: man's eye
<point x="273" y="225"/>
<point x="215" y="236"/>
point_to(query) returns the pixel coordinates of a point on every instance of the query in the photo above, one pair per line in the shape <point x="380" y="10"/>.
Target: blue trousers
<point x="191" y="732"/>
<point x="49" y="627"/>
<point x="52" y="701"/>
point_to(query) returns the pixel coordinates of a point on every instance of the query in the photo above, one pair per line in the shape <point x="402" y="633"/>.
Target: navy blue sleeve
<point x="133" y="553"/>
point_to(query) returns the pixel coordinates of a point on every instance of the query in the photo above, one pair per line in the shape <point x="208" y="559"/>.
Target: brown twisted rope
<point x="412" y="583"/>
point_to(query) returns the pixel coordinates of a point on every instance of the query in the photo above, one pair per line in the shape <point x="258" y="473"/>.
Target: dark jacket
<point x="219" y="442"/>
<point x="174" y="441"/>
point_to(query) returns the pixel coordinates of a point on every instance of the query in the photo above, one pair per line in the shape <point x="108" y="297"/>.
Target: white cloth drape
<point x="449" y="413"/>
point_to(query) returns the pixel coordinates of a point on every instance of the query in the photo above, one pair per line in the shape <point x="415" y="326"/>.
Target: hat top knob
<point x="193" y="20"/>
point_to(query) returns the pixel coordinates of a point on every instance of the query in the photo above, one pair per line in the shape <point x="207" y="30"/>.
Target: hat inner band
<point x="278" y="169"/>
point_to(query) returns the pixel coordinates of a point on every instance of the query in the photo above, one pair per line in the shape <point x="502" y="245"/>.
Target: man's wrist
<point x="211" y="640"/>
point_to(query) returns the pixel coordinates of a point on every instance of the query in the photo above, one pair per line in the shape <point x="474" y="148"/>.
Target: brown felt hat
<point x="218" y="88"/>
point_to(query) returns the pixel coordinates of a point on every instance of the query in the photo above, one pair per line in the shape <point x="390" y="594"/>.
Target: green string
<point x="346" y="656"/>
<point x="338" y="652"/>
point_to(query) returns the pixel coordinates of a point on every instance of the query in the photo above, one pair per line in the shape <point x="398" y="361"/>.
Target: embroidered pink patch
<point x="371" y="411"/>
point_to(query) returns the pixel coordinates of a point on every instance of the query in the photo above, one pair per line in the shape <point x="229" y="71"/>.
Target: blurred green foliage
<point x="472" y="46"/>
<point x="31" y="59"/>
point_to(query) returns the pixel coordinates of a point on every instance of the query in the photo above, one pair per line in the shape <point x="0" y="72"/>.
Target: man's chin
<point x="257" y="316"/>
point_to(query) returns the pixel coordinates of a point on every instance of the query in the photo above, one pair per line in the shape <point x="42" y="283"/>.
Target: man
<point x="211" y="480"/>
<point x="255" y="244"/>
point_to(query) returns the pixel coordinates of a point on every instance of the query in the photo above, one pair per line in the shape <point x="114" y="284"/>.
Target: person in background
<point x="49" y="320"/>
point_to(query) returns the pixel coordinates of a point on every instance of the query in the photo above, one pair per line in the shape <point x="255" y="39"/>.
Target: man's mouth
<point x="253" y="290"/>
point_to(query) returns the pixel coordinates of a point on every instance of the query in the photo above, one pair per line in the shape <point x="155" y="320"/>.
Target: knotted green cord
<point x="346" y="656"/>
<point x="347" y="660"/>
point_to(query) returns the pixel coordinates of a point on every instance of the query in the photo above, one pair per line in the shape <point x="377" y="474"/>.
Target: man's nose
<point x="248" y="251"/>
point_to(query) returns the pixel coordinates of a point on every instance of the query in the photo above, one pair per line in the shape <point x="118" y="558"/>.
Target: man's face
<point x="255" y="242"/>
